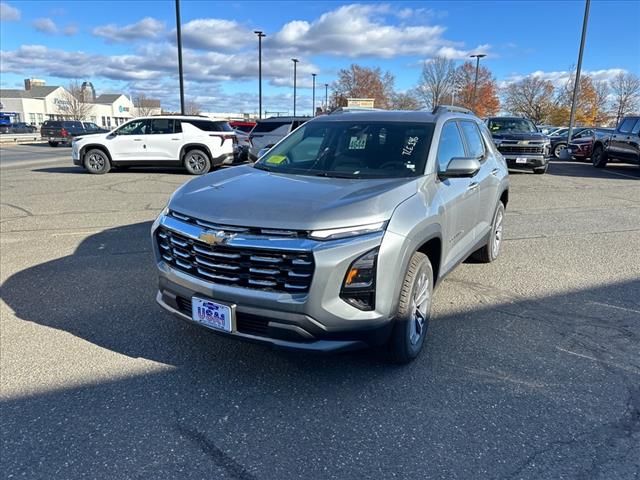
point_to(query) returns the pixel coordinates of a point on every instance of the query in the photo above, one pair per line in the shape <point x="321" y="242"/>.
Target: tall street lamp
<point x="260" y="36"/>
<point x="477" y="56"/>
<point x="295" y="74"/>
<point x="179" y="41"/>
<point x="313" y="108"/>
<point x="576" y="86"/>
<point x="326" y="97"/>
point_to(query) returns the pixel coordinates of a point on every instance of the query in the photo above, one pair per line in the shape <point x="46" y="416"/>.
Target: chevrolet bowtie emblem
<point x="523" y="142"/>
<point x="215" y="237"/>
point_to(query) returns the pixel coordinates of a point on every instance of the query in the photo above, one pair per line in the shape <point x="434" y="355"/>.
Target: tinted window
<point x="474" y="140"/>
<point x="627" y="125"/>
<point x="51" y="123"/>
<point x="451" y="145"/>
<point x="266" y="127"/>
<point x="135" y="127"/>
<point x="161" y="126"/>
<point x="209" y="126"/>
<point x="353" y="150"/>
<point x="511" y="125"/>
<point x="636" y="129"/>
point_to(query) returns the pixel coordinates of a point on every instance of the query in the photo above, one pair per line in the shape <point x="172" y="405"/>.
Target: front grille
<point x="258" y="269"/>
<point x="539" y="150"/>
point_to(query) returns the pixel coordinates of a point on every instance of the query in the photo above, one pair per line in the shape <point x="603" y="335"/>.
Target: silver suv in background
<point x="270" y="131"/>
<point x="335" y="238"/>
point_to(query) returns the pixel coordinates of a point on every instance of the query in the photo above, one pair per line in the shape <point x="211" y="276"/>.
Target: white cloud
<point x="360" y="30"/>
<point x="45" y="25"/>
<point x="561" y="77"/>
<point x="70" y="30"/>
<point x="8" y="13"/>
<point x="213" y="34"/>
<point x="147" y="28"/>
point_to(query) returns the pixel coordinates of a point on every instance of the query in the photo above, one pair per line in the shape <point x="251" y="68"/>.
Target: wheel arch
<point x="94" y="146"/>
<point x="432" y="248"/>
<point x="194" y="146"/>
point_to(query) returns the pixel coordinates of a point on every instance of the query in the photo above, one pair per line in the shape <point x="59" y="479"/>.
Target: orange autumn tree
<point x="487" y="102"/>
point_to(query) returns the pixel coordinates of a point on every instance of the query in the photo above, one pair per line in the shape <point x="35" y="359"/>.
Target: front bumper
<point x="318" y="320"/>
<point x="525" y="160"/>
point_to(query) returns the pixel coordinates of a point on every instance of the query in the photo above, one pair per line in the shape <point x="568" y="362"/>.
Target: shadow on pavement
<point x="585" y="170"/>
<point x="529" y="388"/>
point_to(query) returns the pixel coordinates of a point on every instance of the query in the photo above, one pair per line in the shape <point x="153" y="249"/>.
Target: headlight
<point x="335" y="233"/>
<point x="359" y="285"/>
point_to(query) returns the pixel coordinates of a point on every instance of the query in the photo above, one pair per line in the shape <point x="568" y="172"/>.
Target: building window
<point x="108" y="121"/>
<point x="32" y="118"/>
<point x="104" y="122"/>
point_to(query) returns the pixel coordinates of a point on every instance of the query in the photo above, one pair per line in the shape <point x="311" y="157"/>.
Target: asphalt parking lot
<point x="531" y="371"/>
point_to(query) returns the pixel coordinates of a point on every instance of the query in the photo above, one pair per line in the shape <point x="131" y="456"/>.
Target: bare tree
<point x="145" y="106"/>
<point x="437" y="81"/>
<point x="626" y="94"/>
<point x="405" y="101"/>
<point x="73" y="104"/>
<point x="192" y="107"/>
<point x="531" y="97"/>
<point x="601" y="111"/>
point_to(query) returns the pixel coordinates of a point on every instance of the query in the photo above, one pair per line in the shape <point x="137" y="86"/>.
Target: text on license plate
<point x="211" y="314"/>
<point x="521" y="160"/>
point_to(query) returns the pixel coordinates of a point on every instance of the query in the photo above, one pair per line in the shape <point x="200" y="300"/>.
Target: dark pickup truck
<point x="623" y="144"/>
<point x="64" y="131"/>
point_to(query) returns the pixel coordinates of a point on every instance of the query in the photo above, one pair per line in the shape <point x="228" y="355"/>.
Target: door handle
<point x="137" y="139"/>
<point x="495" y="171"/>
<point x="472" y="186"/>
<point x="175" y="139"/>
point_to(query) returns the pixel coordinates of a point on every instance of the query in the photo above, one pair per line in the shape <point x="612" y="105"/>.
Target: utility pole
<point x="477" y="56"/>
<point x="179" y="41"/>
<point x="326" y="97"/>
<point x="576" y="86"/>
<point x="260" y="36"/>
<point x="295" y="74"/>
<point x="313" y="108"/>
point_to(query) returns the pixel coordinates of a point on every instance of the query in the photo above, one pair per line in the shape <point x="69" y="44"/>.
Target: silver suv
<point x="336" y="238"/>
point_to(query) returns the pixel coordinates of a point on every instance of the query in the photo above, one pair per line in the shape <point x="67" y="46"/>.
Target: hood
<point x="520" y="136"/>
<point x="248" y="197"/>
<point x="90" y="136"/>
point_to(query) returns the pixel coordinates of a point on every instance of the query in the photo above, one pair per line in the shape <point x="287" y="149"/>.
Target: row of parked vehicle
<point x="17" y="127"/>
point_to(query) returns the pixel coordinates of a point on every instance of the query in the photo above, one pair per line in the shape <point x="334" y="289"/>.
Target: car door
<point x="458" y="196"/>
<point x="486" y="178"/>
<point x="162" y="142"/>
<point x="633" y="143"/>
<point x="127" y="142"/>
<point x="618" y="143"/>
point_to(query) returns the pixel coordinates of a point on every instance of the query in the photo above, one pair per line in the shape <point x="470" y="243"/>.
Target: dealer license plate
<point x="211" y="314"/>
<point x="521" y="160"/>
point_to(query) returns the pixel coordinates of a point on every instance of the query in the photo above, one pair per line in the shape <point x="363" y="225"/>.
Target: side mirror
<point x="461" y="167"/>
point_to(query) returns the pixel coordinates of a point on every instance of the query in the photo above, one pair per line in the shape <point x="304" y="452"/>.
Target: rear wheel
<point x="197" y="162"/>
<point x="599" y="157"/>
<point x="53" y="144"/>
<point x="491" y="250"/>
<point x="414" y="310"/>
<point x="557" y="150"/>
<point x="97" y="162"/>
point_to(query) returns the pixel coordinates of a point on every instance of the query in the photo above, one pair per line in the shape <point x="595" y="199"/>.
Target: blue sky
<point x="129" y="46"/>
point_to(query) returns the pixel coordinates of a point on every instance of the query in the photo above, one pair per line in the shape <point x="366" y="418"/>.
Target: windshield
<point x="511" y="125"/>
<point x="352" y="150"/>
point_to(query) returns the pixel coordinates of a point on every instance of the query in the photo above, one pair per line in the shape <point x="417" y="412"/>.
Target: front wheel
<point x="97" y="162"/>
<point x="414" y="310"/>
<point x="557" y="150"/>
<point x="599" y="157"/>
<point x="197" y="162"/>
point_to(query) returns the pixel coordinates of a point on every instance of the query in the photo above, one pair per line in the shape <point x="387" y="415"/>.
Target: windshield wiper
<point x="259" y="166"/>
<point x="334" y="175"/>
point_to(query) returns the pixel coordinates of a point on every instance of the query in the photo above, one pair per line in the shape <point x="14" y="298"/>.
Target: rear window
<point x="209" y="126"/>
<point x="51" y="123"/>
<point x="266" y="127"/>
<point x="627" y="125"/>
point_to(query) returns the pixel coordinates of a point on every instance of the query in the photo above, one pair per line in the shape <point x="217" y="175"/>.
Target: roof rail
<point x="450" y="108"/>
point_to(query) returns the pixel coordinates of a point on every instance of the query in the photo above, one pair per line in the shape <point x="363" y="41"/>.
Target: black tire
<point x="558" y="148"/>
<point x="491" y="250"/>
<point x="197" y="162"/>
<point x="97" y="162"/>
<point x="599" y="157"/>
<point x="541" y="170"/>
<point x="53" y="144"/>
<point x="408" y="335"/>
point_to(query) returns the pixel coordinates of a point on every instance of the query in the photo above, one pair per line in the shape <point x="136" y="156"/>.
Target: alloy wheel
<point x="420" y="304"/>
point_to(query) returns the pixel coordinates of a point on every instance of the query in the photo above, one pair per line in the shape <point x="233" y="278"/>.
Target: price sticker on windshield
<point x="358" y="142"/>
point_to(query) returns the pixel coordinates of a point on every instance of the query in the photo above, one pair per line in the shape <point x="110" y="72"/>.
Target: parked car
<point x="243" y="126"/>
<point x="559" y="140"/>
<point x="197" y="143"/>
<point x="58" y="132"/>
<point x="623" y="144"/>
<point x="580" y="148"/>
<point x="270" y="131"/>
<point x="244" y="144"/>
<point x="547" y="129"/>
<point x="336" y="238"/>
<point x="18" y="127"/>
<point x="519" y="140"/>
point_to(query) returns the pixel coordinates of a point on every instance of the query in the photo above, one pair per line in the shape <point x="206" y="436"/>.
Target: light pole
<point x="179" y="41"/>
<point x="260" y="36"/>
<point x="313" y="108"/>
<point x="576" y="86"/>
<point x="295" y="74"/>
<point x="477" y="56"/>
<point x="326" y="97"/>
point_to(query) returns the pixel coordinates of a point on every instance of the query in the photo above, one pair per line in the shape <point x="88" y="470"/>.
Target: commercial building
<point x="38" y="103"/>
